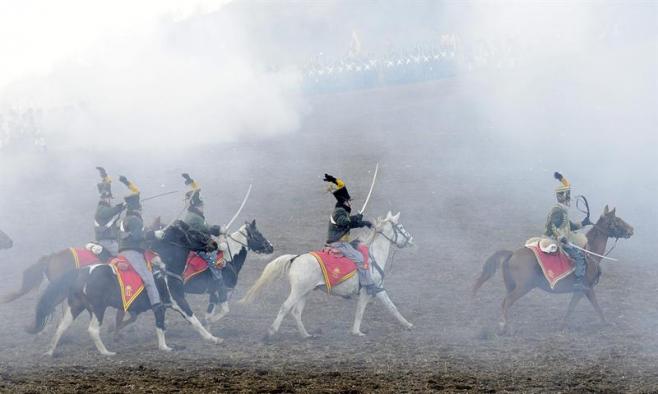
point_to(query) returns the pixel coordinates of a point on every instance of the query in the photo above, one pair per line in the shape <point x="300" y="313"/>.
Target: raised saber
<point x="592" y="253"/>
<point x="159" y="195"/>
<point x="372" y="186"/>
<point x="244" y="201"/>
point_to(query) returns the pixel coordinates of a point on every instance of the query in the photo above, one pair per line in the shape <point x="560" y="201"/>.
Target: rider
<point x="106" y="219"/>
<point x="559" y="227"/>
<point x="196" y="220"/>
<point x="131" y="245"/>
<point x="339" y="231"/>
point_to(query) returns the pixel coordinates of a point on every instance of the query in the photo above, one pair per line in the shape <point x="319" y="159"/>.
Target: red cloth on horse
<point x="196" y="265"/>
<point x="337" y="268"/>
<point x="130" y="282"/>
<point x="556" y="266"/>
<point x="84" y="258"/>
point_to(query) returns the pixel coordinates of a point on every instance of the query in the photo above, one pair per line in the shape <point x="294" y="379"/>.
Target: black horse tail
<point x="55" y="293"/>
<point x="491" y="266"/>
<point x="32" y="278"/>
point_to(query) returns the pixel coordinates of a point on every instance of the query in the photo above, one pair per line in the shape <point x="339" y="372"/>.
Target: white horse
<point x="305" y="275"/>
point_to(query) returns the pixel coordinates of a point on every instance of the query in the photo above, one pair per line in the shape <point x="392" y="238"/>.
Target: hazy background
<point x="215" y="89"/>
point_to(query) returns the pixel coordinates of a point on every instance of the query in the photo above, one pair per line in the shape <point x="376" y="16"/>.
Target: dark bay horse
<point x="51" y="266"/>
<point x="5" y="241"/>
<point x="246" y="238"/>
<point x="522" y="273"/>
<point x="95" y="288"/>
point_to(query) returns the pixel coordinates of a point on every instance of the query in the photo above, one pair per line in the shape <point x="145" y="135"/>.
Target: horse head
<point x="256" y="241"/>
<point x="5" y="241"/>
<point x="612" y="225"/>
<point x="391" y="228"/>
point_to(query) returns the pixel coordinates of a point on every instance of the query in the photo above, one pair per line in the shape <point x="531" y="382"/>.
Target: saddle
<point x="554" y="263"/>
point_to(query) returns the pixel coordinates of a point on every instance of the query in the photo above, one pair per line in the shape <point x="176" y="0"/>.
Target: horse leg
<point x="575" y="298"/>
<point x="293" y="298"/>
<point x="383" y="297"/>
<point x="120" y="324"/>
<point x="297" y="313"/>
<point x="94" y="330"/>
<point x="64" y="324"/>
<point x="223" y="312"/>
<point x="591" y="296"/>
<point x="213" y="298"/>
<point x="511" y="297"/>
<point x="180" y="304"/>
<point x="364" y="299"/>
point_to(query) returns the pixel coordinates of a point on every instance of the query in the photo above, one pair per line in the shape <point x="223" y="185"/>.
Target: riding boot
<point x="366" y="281"/>
<point x="580" y="270"/>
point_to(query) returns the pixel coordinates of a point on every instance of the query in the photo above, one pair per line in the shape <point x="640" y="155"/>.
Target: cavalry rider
<point x="196" y="220"/>
<point x="106" y="220"/>
<point x="340" y="224"/>
<point x="131" y="245"/>
<point x="559" y="227"/>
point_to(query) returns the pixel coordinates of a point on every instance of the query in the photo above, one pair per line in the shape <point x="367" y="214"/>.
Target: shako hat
<point x="337" y="188"/>
<point x="105" y="186"/>
<point x="132" y="200"/>
<point x="194" y="194"/>
<point x="564" y="188"/>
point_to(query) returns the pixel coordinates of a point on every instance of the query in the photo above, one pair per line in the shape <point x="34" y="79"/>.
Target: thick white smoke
<point x="187" y="77"/>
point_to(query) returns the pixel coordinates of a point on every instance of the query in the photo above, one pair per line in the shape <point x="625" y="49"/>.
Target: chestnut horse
<point x="521" y="272"/>
<point x="52" y="266"/>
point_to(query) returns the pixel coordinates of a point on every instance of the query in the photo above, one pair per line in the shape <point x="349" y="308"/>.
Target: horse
<point x="95" y="288"/>
<point x="304" y="274"/>
<point x="248" y="237"/>
<point x="5" y="241"/>
<point x="51" y="266"/>
<point x="522" y="273"/>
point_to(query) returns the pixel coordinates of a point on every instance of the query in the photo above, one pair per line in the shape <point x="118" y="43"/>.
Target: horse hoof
<point x="358" y="334"/>
<point x="410" y="326"/>
<point x="108" y="353"/>
<point x="217" y="340"/>
<point x="49" y="353"/>
<point x="166" y="348"/>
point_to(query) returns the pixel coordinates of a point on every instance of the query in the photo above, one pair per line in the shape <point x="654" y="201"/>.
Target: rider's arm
<point x="342" y="219"/>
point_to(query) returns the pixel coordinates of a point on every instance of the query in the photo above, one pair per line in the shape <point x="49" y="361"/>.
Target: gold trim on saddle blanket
<point x="75" y="257"/>
<point x="554" y="282"/>
<point x="127" y="303"/>
<point x="327" y="282"/>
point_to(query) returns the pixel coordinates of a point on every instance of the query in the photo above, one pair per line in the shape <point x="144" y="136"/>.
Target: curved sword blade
<point x="372" y="186"/>
<point x="244" y="201"/>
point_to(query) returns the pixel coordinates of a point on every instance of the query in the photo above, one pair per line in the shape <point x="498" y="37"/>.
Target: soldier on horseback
<point x="131" y="245"/>
<point x="106" y="219"/>
<point x="559" y="227"/>
<point x="340" y="224"/>
<point x="196" y="221"/>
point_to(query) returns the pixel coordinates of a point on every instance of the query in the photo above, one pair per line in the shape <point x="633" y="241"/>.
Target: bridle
<point x="398" y="231"/>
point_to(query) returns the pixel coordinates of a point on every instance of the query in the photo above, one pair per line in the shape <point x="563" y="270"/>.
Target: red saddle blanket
<point x="556" y="266"/>
<point x="196" y="265"/>
<point x="130" y="282"/>
<point x="83" y="257"/>
<point x="337" y="268"/>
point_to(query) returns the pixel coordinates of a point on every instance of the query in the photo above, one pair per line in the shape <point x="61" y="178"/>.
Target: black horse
<point x="96" y="288"/>
<point x="248" y="237"/>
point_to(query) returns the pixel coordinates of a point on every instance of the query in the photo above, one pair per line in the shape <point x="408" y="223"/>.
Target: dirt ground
<point x="450" y="179"/>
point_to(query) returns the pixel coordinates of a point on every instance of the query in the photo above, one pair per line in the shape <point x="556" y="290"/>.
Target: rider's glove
<point x="563" y="240"/>
<point x="367" y="223"/>
<point x="585" y="221"/>
<point x="215" y="230"/>
<point x="159" y="234"/>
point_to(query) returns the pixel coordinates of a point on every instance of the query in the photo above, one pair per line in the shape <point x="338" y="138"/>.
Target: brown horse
<point x="52" y="266"/>
<point x="521" y="272"/>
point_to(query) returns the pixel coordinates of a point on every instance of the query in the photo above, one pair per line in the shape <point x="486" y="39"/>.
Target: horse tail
<point x="273" y="270"/>
<point x="32" y="278"/>
<point x="490" y="267"/>
<point x="55" y="293"/>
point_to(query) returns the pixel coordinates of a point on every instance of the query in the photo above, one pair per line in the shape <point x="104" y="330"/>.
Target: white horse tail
<point x="273" y="270"/>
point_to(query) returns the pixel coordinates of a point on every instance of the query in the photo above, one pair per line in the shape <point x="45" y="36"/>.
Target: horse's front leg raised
<point x="363" y="301"/>
<point x="181" y="305"/>
<point x="383" y="297"/>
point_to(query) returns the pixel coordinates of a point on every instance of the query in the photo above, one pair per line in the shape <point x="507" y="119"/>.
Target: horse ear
<point x="613" y="212"/>
<point x="396" y="217"/>
<point x="605" y="210"/>
<point x="388" y="215"/>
